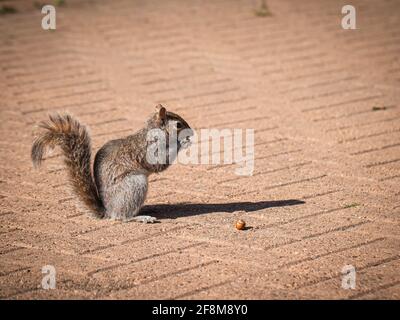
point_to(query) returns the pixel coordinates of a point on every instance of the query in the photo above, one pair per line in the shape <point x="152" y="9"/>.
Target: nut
<point x="240" y="224"/>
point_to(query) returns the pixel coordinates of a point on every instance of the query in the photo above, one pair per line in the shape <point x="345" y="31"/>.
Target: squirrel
<point x="118" y="185"/>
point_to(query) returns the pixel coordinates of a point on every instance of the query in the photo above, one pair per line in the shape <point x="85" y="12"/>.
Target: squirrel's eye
<point x="179" y="125"/>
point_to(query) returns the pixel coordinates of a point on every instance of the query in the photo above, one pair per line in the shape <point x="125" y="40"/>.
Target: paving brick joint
<point x="324" y="103"/>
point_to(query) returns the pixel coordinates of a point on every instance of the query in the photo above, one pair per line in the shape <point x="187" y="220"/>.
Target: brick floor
<point x="325" y="190"/>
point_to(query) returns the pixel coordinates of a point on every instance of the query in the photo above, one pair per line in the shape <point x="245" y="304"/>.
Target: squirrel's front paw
<point x="143" y="219"/>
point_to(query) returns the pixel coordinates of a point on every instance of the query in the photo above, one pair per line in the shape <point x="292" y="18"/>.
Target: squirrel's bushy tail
<point x="74" y="140"/>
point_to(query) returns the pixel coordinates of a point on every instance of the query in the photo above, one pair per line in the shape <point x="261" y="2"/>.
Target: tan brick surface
<point x="325" y="190"/>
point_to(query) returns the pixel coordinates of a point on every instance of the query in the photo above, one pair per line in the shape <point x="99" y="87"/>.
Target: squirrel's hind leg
<point x="124" y="199"/>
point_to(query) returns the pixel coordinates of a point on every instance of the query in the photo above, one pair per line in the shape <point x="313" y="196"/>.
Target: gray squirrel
<point x="118" y="186"/>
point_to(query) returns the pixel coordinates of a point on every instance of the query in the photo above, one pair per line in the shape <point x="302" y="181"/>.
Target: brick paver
<point x="324" y="103"/>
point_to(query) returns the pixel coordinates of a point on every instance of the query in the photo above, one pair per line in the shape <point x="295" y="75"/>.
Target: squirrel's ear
<point x="161" y="113"/>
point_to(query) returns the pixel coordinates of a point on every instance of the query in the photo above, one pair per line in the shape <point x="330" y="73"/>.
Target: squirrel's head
<point x="172" y="124"/>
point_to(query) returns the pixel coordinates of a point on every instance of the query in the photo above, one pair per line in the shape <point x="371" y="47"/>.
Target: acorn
<point x="240" y="225"/>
